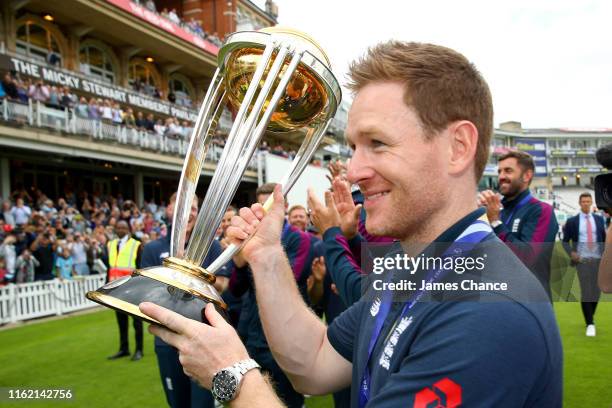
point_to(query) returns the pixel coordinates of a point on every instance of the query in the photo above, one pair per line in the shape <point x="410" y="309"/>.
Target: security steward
<point x="123" y="258"/>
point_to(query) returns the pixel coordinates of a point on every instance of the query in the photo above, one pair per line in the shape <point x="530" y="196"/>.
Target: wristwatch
<point x="496" y="223"/>
<point x="226" y="383"/>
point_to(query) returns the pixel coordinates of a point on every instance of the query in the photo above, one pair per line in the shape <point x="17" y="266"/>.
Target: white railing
<point x="24" y="301"/>
<point x="51" y="117"/>
<point x="38" y="114"/>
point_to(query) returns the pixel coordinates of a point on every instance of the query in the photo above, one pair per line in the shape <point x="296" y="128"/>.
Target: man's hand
<point x="336" y="169"/>
<point x="349" y="212"/>
<point x="318" y="269"/>
<point x="266" y="231"/>
<point x="575" y="257"/>
<point x="314" y="283"/>
<point x="203" y="349"/>
<point x="492" y="201"/>
<point x="322" y="216"/>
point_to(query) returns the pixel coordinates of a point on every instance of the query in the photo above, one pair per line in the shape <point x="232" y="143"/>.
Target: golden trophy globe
<point x="274" y="80"/>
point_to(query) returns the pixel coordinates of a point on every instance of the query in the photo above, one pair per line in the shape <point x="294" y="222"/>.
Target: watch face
<point x="224" y="387"/>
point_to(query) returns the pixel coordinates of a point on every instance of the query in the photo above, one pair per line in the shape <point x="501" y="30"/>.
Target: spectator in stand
<point x="10" y="87"/>
<point x="150" y="4"/>
<point x="141" y="123"/>
<point x="106" y="111"/>
<point x="93" y="110"/>
<point x="171" y="97"/>
<point x="21" y="213"/>
<point x="117" y="113"/>
<point x="25" y="266"/>
<point x="7" y="214"/>
<point x="22" y="90"/>
<point x="54" y="97"/>
<point x="8" y="253"/>
<point x="186" y="130"/>
<point x="43" y="249"/>
<point x="150" y="123"/>
<point x="82" y="110"/>
<point x="79" y="250"/>
<point x="39" y="92"/>
<point x="128" y="118"/>
<point x="173" y="129"/>
<point x="172" y="16"/>
<point x="64" y="264"/>
<point x="159" y="127"/>
<point x="53" y="58"/>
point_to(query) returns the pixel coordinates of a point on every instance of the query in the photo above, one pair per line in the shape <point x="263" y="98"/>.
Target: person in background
<point x="179" y="389"/>
<point x="583" y="239"/>
<point x="64" y="265"/>
<point x="529" y="226"/>
<point x="298" y="217"/>
<point x="25" y="267"/>
<point x="123" y="257"/>
<point x="79" y="250"/>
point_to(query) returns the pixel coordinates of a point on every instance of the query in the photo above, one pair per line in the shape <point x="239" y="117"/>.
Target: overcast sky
<point x="548" y="63"/>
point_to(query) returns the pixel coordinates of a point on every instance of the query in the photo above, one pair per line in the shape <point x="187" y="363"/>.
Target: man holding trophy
<point x="420" y="128"/>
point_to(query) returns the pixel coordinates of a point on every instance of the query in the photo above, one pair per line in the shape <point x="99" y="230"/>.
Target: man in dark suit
<point x="583" y="240"/>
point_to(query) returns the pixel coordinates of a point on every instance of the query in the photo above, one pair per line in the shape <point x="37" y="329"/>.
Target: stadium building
<point x="74" y="65"/>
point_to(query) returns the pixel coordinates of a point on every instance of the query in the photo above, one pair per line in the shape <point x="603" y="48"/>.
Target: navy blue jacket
<point x="571" y="231"/>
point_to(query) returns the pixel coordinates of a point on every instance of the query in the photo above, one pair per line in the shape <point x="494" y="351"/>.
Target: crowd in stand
<point x="16" y="89"/>
<point x="42" y="239"/>
<point x="192" y="25"/>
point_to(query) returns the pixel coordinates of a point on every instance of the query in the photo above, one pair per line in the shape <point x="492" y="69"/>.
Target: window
<point x="37" y="42"/>
<point x="97" y="63"/>
<point x="142" y="77"/>
<point x="181" y="89"/>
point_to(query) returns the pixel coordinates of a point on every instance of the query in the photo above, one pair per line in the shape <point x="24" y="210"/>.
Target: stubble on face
<point x="410" y="167"/>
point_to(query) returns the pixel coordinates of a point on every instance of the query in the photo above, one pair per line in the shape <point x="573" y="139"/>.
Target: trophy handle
<point x="309" y="145"/>
<point x="206" y="123"/>
<point x="234" y="159"/>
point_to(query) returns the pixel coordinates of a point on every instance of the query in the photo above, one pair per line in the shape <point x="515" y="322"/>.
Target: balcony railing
<point x="39" y="115"/>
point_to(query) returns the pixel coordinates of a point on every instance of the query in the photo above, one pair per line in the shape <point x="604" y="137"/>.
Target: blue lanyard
<point x="518" y="207"/>
<point x="473" y="235"/>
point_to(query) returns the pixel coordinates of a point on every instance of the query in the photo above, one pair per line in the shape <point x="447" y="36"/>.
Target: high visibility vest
<point x="122" y="263"/>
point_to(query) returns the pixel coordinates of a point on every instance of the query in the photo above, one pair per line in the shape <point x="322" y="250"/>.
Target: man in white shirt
<point x="583" y="239"/>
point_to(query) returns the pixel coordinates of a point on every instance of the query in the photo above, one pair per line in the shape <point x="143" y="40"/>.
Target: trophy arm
<point x="206" y="122"/>
<point x="248" y="139"/>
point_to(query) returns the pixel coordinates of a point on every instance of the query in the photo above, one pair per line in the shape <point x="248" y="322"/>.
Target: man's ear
<point x="463" y="145"/>
<point x="527" y="176"/>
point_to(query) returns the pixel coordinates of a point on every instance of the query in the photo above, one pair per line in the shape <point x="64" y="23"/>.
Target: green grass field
<point x="71" y="353"/>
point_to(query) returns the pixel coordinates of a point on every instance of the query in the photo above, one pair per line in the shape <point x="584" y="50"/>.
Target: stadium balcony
<point x="96" y="133"/>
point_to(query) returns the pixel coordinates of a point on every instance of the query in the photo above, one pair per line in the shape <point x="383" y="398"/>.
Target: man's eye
<point x="377" y="143"/>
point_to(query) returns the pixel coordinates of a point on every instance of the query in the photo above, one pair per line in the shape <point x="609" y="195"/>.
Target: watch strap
<point x="245" y="366"/>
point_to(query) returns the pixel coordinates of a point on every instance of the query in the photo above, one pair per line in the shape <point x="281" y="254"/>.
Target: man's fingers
<point x="329" y="199"/>
<point x="313" y="201"/>
<point x="168" y="318"/>
<point x="247" y="215"/>
<point x="258" y="210"/>
<point x="213" y="316"/>
<point x="237" y="233"/>
<point x="166" y="335"/>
